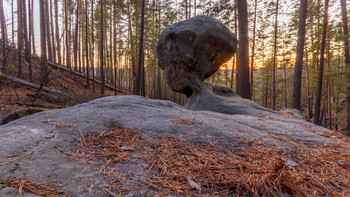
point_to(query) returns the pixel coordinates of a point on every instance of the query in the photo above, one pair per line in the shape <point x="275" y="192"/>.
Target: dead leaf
<point x="192" y="183"/>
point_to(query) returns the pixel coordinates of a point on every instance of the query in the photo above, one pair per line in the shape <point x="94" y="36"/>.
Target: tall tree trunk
<point x="52" y="33"/>
<point x="3" y="35"/>
<point x="57" y="33"/>
<point x="67" y="36"/>
<point x="253" y="53"/>
<point x="140" y="60"/>
<point x="43" y="62"/>
<point x="243" y="50"/>
<point x="48" y="33"/>
<point x="321" y="66"/>
<point x="28" y="55"/>
<point x="131" y="40"/>
<point x="236" y="56"/>
<point x="274" y="70"/>
<point x="87" y="45"/>
<point x="115" y="44"/>
<point x="20" y="36"/>
<point x="329" y="93"/>
<point x="344" y="15"/>
<point x="159" y="69"/>
<point x="299" y="57"/>
<point x="101" y="52"/>
<point x="13" y="22"/>
<point x="75" y="44"/>
<point x="92" y="46"/>
<point x="309" y="100"/>
<point x="186" y="6"/>
<point x="31" y="16"/>
<point x="3" y="21"/>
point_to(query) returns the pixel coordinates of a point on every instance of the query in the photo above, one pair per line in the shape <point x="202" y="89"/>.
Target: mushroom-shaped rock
<point x="192" y="50"/>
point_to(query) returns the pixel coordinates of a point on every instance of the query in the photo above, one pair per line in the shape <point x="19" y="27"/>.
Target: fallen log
<point x="52" y="64"/>
<point x="84" y="76"/>
<point x="35" y="86"/>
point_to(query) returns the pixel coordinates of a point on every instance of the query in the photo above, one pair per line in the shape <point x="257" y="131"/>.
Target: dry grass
<point x="183" y="168"/>
<point x="177" y="121"/>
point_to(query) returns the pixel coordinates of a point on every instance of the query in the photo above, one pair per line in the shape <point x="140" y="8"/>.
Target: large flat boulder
<point x="49" y="138"/>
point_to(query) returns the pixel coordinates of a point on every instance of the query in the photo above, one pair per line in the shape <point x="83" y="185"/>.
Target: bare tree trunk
<point x="87" y="45"/>
<point x="67" y="36"/>
<point x="115" y="44"/>
<point x="243" y="50"/>
<point x="236" y="56"/>
<point x="253" y="53"/>
<point x="140" y="60"/>
<point x="344" y="15"/>
<point x="3" y="35"/>
<point x="48" y="34"/>
<point x="131" y="40"/>
<point x="13" y="22"/>
<point x="43" y="62"/>
<point x="92" y="46"/>
<point x="309" y="100"/>
<point x="274" y="62"/>
<point x="20" y="36"/>
<point x="28" y="55"/>
<point x="57" y="33"/>
<point x="3" y="21"/>
<point x="75" y="44"/>
<point x="320" y="71"/>
<point x="159" y="69"/>
<point x="31" y="16"/>
<point x="101" y="52"/>
<point x="329" y="86"/>
<point x="52" y="33"/>
<point x="299" y="57"/>
<point x="186" y="9"/>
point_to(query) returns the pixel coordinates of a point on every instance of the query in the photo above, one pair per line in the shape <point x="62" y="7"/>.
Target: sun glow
<point x="227" y="65"/>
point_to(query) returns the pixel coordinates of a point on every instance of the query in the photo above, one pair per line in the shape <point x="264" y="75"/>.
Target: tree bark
<point x="27" y="54"/>
<point x="57" y="33"/>
<point x="321" y="66"/>
<point x="140" y="79"/>
<point x="253" y="53"/>
<point x="344" y="15"/>
<point x="87" y="45"/>
<point x="67" y="36"/>
<point x="75" y="44"/>
<point x="31" y="16"/>
<point x="101" y="52"/>
<point x="3" y="21"/>
<point x="48" y="34"/>
<point x="299" y="57"/>
<point x="243" y="50"/>
<point x="115" y="44"/>
<point x="20" y="36"/>
<point x="92" y="46"/>
<point x="43" y="62"/>
<point x="52" y="33"/>
<point x="131" y="49"/>
<point x="274" y="62"/>
<point x="3" y="35"/>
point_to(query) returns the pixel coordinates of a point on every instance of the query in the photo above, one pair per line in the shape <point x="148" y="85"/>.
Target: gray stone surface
<point x="154" y="117"/>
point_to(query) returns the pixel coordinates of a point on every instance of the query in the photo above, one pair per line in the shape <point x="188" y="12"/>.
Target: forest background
<point x="114" y="41"/>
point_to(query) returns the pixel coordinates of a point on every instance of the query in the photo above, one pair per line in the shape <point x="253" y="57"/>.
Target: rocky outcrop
<point x="50" y="137"/>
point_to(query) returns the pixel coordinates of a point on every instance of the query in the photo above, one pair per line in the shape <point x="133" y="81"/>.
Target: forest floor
<point x="15" y="96"/>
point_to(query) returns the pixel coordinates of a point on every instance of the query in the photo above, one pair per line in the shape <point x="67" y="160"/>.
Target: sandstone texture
<point x="51" y="137"/>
